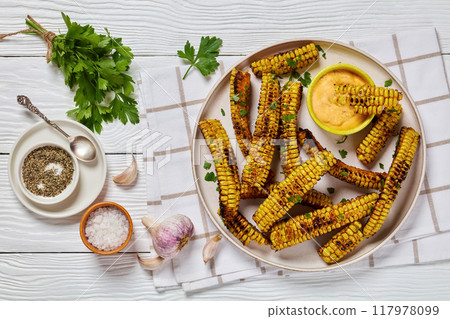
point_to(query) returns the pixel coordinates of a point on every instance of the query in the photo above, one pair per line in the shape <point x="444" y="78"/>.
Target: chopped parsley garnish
<point x="294" y="75"/>
<point x="371" y="208"/>
<point x="235" y="97"/>
<point x="291" y="199"/>
<point x="305" y="80"/>
<point x="211" y="141"/>
<point x="243" y="103"/>
<point x="342" y="140"/>
<point x="387" y="83"/>
<point x="284" y="106"/>
<point x="210" y="177"/>
<point x="340" y="217"/>
<point x="324" y="54"/>
<point x="282" y="172"/>
<point x="217" y="161"/>
<point x="217" y="188"/>
<point x="273" y="106"/>
<point x="330" y="190"/>
<point x="382" y="183"/>
<point x="250" y="169"/>
<point x="291" y="63"/>
<point x="343" y="153"/>
<point x="297" y="199"/>
<point x="247" y="88"/>
<point x="344" y="173"/>
<point x="308" y="215"/>
<point x="223" y="112"/>
<point x="398" y="186"/>
<point x="289" y="117"/>
<point x="381" y="165"/>
<point x="206" y="165"/>
<point x="243" y="112"/>
<point x="343" y="200"/>
<point x="282" y="149"/>
<point x="272" y="75"/>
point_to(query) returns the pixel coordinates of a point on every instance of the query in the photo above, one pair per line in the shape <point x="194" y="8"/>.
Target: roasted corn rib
<point x="350" y="174"/>
<point x="403" y="157"/>
<point x="286" y="61"/>
<point x="312" y="198"/>
<point x="262" y="148"/>
<point x="239" y="105"/>
<point x="290" y="104"/>
<point x="292" y="189"/>
<point x="376" y="139"/>
<point x="229" y="185"/>
<point x="300" y="228"/>
<point x="342" y="243"/>
<point x="367" y="99"/>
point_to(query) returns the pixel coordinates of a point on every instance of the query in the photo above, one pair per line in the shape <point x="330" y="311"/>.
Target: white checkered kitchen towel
<point x="172" y="104"/>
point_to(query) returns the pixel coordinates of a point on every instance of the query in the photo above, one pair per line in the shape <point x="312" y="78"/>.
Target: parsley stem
<point x="188" y="71"/>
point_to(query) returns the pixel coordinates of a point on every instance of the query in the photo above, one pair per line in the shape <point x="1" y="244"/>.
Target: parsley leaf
<point x="343" y="153"/>
<point x="289" y="117"/>
<point x="330" y="190"/>
<point x="210" y="177"/>
<point x="294" y="75"/>
<point x="206" y="165"/>
<point x="235" y="97"/>
<point x="273" y="106"/>
<point x="344" y="173"/>
<point x="291" y="63"/>
<point x="342" y="140"/>
<point x="205" y="60"/>
<point x="308" y="215"/>
<point x="381" y="165"/>
<point x="324" y="54"/>
<point x="387" y="83"/>
<point x="243" y="112"/>
<point x="341" y="216"/>
<point x="305" y="80"/>
<point x="343" y="200"/>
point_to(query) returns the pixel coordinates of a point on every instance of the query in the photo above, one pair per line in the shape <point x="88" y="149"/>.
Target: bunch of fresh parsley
<point x="96" y="64"/>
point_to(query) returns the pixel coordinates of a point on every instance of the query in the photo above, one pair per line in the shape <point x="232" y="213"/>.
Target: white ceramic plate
<point x="304" y="257"/>
<point x="92" y="175"/>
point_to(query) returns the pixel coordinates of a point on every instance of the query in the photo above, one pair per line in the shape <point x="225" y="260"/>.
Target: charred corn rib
<point x="240" y="227"/>
<point x="350" y="174"/>
<point x="260" y="157"/>
<point x="292" y="189"/>
<point x="342" y="243"/>
<point x="286" y="61"/>
<point x="229" y="185"/>
<point x="367" y="99"/>
<point x="312" y="198"/>
<point x="403" y="157"/>
<point x="290" y="104"/>
<point x="375" y="141"/>
<point x="239" y="98"/>
<point x="303" y="227"/>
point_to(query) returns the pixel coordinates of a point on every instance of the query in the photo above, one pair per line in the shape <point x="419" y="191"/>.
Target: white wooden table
<point x="43" y="258"/>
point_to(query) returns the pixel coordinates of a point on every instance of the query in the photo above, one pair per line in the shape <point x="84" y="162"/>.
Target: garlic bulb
<point x="210" y="248"/>
<point x="128" y="175"/>
<point x="151" y="263"/>
<point x="171" y="235"/>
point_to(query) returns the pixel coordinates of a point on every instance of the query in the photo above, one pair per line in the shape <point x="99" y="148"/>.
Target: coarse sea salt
<point x="107" y="228"/>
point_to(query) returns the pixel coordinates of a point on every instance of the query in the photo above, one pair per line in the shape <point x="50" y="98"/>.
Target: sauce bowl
<point x="334" y="67"/>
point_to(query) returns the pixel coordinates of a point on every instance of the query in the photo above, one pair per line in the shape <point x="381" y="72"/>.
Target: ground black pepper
<point x="47" y="171"/>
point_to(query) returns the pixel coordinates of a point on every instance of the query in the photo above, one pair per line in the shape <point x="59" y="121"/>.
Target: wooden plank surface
<point x="39" y="256"/>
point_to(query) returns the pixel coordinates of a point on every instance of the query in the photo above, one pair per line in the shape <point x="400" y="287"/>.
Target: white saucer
<point x="92" y="174"/>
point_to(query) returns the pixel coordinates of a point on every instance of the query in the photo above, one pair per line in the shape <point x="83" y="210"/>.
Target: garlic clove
<point x="128" y="175"/>
<point x="210" y="248"/>
<point x="151" y="263"/>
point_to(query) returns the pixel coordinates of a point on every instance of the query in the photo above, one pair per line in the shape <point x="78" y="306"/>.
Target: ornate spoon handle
<point x="25" y="101"/>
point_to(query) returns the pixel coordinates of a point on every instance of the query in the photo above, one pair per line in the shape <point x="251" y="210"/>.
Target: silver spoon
<point x="81" y="146"/>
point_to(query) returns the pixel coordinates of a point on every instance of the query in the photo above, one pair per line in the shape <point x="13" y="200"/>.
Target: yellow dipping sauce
<point x="326" y="108"/>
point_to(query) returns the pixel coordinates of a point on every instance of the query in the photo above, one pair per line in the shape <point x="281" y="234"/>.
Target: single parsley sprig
<point x="205" y="60"/>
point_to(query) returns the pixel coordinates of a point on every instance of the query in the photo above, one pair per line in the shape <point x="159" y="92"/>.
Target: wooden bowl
<point x="83" y="226"/>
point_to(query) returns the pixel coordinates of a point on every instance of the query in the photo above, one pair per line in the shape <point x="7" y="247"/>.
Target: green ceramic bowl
<point x="333" y="67"/>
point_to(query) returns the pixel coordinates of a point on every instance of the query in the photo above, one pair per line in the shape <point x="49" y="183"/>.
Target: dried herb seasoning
<point x="47" y="171"/>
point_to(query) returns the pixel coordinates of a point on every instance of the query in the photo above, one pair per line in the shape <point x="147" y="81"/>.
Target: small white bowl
<point x="61" y="196"/>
